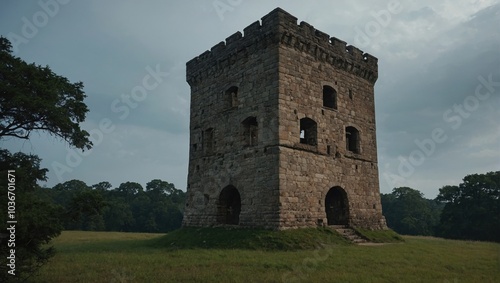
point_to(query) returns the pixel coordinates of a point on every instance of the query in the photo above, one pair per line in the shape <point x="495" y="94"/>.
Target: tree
<point x="140" y="206"/>
<point x="129" y="189"/>
<point x="157" y="188"/>
<point x="408" y="212"/>
<point x="85" y="211"/>
<point x="118" y="215"/>
<point x="63" y="193"/>
<point x="471" y="209"/>
<point x="102" y="186"/>
<point x="34" y="98"/>
<point x="167" y="203"/>
<point x="38" y="220"/>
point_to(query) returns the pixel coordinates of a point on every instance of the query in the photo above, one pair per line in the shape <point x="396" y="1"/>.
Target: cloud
<point x="415" y="101"/>
<point x="130" y="153"/>
<point x="431" y="55"/>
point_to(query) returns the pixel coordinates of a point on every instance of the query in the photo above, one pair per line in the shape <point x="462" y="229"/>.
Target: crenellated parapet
<point x="280" y="28"/>
<point x="236" y="48"/>
<point x="331" y="50"/>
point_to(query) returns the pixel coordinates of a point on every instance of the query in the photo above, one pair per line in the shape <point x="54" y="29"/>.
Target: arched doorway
<point x="337" y="207"/>
<point x="229" y="206"/>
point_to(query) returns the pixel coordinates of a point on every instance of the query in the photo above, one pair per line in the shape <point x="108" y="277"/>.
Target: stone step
<point x="348" y="233"/>
<point x="339" y="227"/>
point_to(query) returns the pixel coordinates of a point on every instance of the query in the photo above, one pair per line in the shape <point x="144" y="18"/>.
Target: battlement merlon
<point x="280" y="27"/>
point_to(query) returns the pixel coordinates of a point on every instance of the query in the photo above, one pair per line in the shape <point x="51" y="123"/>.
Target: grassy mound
<point x="379" y="236"/>
<point x="253" y="239"/>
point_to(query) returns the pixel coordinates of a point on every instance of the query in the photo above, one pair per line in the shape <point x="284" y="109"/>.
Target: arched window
<point x="329" y="97"/>
<point x="231" y="97"/>
<point x="308" y="131"/>
<point x="250" y="131"/>
<point x="352" y="139"/>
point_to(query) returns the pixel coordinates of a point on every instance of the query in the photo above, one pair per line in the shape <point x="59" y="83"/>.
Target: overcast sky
<point x="437" y="96"/>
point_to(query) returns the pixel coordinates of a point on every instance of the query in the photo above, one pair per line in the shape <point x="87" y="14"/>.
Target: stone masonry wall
<point x="310" y="60"/>
<point x="249" y="63"/>
<point x="279" y="69"/>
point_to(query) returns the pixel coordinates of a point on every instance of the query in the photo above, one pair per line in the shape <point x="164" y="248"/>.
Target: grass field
<point x="138" y="257"/>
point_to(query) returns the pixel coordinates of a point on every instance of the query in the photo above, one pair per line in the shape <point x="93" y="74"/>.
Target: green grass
<point x="134" y="257"/>
<point x="379" y="236"/>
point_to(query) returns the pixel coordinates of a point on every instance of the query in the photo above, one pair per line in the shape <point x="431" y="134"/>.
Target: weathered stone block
<point x="282" y="130"/>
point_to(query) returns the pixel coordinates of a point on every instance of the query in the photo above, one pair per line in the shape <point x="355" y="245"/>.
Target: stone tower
<point x="282" y="130"/>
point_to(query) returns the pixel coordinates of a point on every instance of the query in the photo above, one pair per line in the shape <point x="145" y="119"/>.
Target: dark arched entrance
<point x="337" y="207"/>
<point x="229" y="206"/>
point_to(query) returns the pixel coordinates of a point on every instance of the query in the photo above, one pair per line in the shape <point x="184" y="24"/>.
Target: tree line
<point x="42" y="213"/>
<point x="469" y="211"/>
<point x="129" y="207"/>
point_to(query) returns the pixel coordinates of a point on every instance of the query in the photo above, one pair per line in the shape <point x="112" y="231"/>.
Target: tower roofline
<point x="280" y="27"/>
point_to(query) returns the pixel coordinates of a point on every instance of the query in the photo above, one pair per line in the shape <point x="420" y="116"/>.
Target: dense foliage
<point x="408" y="212"/>
<point x="470" y="210"/>
<point x="33" y="98"/>
<point x="37" y="221"/>
<point x="127" y="208"/>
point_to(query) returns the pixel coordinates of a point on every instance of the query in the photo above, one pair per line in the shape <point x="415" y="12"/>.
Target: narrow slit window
<point x="231" y="97"/>
<point x="352" y="139"/>
<point x="250" y="131"/>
